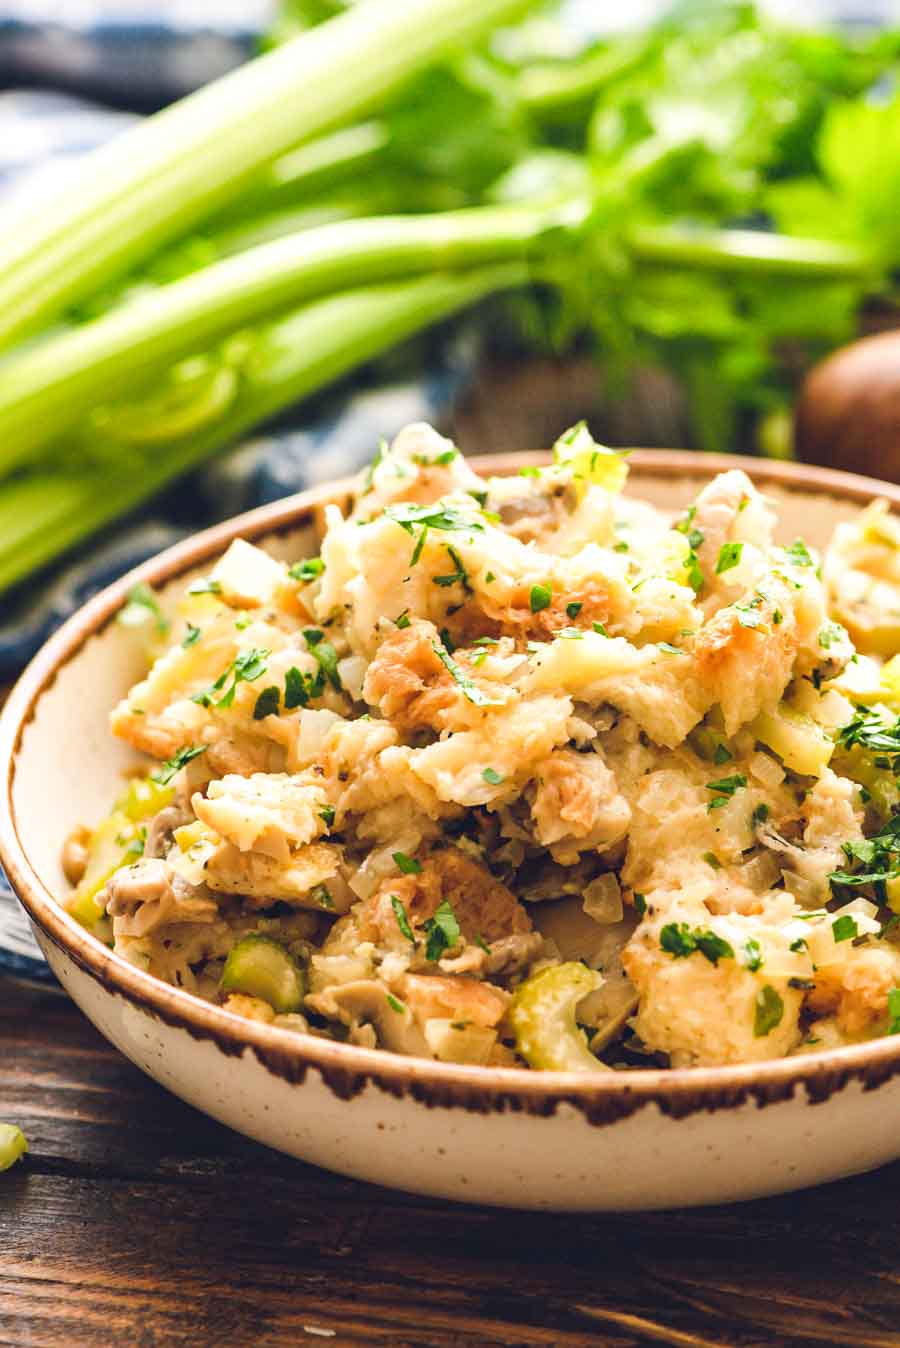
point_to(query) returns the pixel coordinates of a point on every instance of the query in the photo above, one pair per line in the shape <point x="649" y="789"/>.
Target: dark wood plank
<point x="137" y="1221"/>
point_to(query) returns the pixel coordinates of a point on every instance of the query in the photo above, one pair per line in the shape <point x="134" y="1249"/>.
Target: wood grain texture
<point x="138" y="1222"/>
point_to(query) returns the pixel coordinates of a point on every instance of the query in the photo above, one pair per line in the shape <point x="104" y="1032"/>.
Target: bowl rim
<point x="347" y="1069"/>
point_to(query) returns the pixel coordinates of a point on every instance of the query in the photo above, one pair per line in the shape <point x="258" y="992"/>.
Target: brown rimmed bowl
<point x="491" y="1135"/>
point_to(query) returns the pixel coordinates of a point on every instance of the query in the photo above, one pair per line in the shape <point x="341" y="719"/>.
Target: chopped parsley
<point x="573" y="609"/>
<point x="829" y="633"/>
<point x="424" y="517"/>
<point x="206" y="586"/>
<point x="878" y="859"/>
<point x="759" y="815"/>
<point x="268" y="703"/>
<point x="395" y="1004"/>
<point x="640" y="904"/>
<point x="403" y="620"/>
<point x="140" y="604"/>
<point x="326" y="814"/>
<point x="600" y="629"/>
<point x="724" y="789"/>
<point x="729" y="557"/>
<point x="798" y="554"/>
<point x="408" y="865"/>
<point x="309" y="569"/>
<point x="442" y="931"/>
<point x="722" y="754"/>
<point x="768" y="1013"/>
<point x="446" y="640"/>
<point x="167" y="771"/>
<point x="712" y="860"/>
<point x="470" y="690"/>
<point x="458" y="577"/>
<point x="322" y="896"/>
<point x="679" y="940"/>
<point x="325" y="654"/>
<point x="482" y="943"/>
<point x="870" y="731"/>
<point x="492" y="776"/>
<point x="753" y="956"/>
<point x="799" y="945"/>
<point x="402" y="917"/>
<point x="671" y="650"/>
<point x="844" y="928"/>
<point x="191" y="637"/>
<point x="300" y="687"/>
<point x="438" y="460"/>
<point x="246" y="667"/>
<point x="541" y="597"/>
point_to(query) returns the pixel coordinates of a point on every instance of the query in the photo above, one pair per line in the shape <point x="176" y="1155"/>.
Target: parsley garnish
<point x="140" y="602"/>
<point x="679" y="941"/>
<point x="753" y="957"/>
<point x="439" y="460"/>
<point x="712" y="860"/>
<point x="492" y="776"/>
<point x="458" y="577"/>
<point x="573" y="609"/>
<point x="671" y="650"/>
<point x="799" y="945"/>
<point x="729" y="557"/>
<point x="395" y="1004"/>
<point x="300" y="687"/>
<point x="442" y="931"/>
<point x="722" y="755"/>
<point x="725" y="789"/>
<point x="408" y="865"/>
<point x="844" y="928"/>
<point x="322" y="896"/>
<point x="426" y="517"/>
<point x="768" y="1013"/>
<point x="324" y="652"/>
<point x="759" y="815"/>
<point x="600" y="629"/>
<point x="326" y="814"/>
<point x="541" y="597"/>
<point x="207" y="586"/>
<point x="191" y="637"/>
<point x="482" y="943"/>
<point x="640" y="904"/>
<point x="267" y="703"/>
<point x="167" y="771"/>
<point x="829" y="634"/>
<point x="404" y="619"/>
<point x="309" y="569"/>
<point x="470" y="690"/>
<point x="798" y="554"/>
<point x="244" y="668"/>
<point x="402" y="919"/>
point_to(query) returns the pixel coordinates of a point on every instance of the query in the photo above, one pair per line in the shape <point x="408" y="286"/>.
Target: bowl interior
<point x="69" y="768"/>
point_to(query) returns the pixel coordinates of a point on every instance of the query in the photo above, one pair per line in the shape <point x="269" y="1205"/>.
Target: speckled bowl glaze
<point x="522" y="1139"/>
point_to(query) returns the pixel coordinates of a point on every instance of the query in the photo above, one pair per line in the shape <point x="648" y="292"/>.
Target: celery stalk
<point x="51" y="386"/>
<point x="156" y="180"/>
<point x="42" y="515"/>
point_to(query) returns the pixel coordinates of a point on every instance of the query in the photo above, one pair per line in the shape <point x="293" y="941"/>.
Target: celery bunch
<point x="382" y="169"/>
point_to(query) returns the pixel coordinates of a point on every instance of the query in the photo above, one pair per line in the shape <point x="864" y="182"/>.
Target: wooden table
<point x="136" y="1221"/>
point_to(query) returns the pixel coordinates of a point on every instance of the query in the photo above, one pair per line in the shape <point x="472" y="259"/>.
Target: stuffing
<point x="524" y="771"/>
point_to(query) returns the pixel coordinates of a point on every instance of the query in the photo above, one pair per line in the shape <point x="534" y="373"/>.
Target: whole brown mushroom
<point x="848" y="412"/>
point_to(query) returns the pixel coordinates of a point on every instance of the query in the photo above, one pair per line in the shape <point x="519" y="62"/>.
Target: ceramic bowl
<point x="493" y="1135"/>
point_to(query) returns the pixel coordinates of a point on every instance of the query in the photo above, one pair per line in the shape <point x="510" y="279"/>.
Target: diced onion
<point x="603" y="899"/>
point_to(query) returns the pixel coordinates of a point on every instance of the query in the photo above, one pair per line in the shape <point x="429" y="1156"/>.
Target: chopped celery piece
<point x="799" y="741"/>
<point x="144" y="798"/>
<point x="114" y="843"/>
<point x="588" y="462"/>
<point x="261" y="967"/>
<point x="542" y="1016"/>
<point x="13" y="1145"/>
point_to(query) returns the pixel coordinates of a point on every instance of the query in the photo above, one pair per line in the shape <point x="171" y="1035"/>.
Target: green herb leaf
<point x="442" y="931"/>
<point x="268" y="703"/>
<point x="541" y="597"/>
<point x="830" y="633"/>
<point x="309" y="569"/>
<point x="191" y="637"/>
<point x="493" y="777"/>
<point x="408" y="865"/>
<point x="753" y="957"/>
<point x="573" y="609"/>
<point x="298" y="688"/>
<point x="482" y="943"/>
<point x="470" y="690"/>
<point x="325" y="654"/>
<point x="769" y="1011"/>
<point x="164" y="774"/>
<point x="726" y="786"/>
<point x="140" y="605"/>
<point x="404" y="619"/>
<point x="402" y="919"/>
<point x="893" y="1003"/>
<point x="206" y="586"/>
<point x="395" y="1004"/>
<point x="729" y="557"/>
<point x="798" y="554"/>
<point x="640" y="904"/>
<point x="326" y="814"/>
<point x="844" y="928"/>
<point x="600" y="629"/>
